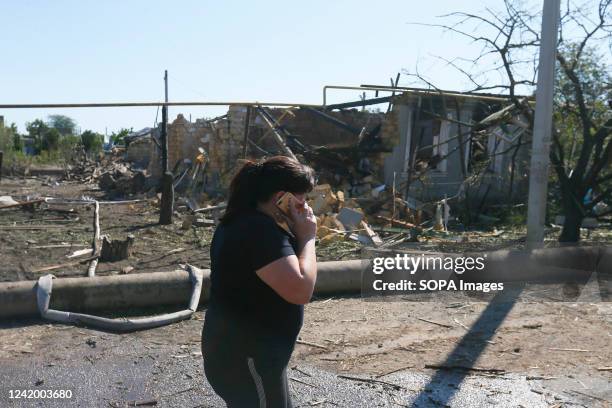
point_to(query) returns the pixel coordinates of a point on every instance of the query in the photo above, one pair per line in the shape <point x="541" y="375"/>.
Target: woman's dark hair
<point x="256" y="182"/>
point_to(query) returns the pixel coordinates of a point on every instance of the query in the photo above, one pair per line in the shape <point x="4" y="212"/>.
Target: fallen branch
<point x="57" y="246"/>
<point x="395" y="371"/>
<point x="58" y="266"/>
<point x="301" y="371"/>
<point x="436" y="323"/>
<point x="589" y="395"/>
<point x="37" y="227"/>
<point x="302" y="382"/>
<point x="369" y="380"/>
<point x="307" y="343"/>
<point x="464" y="368"/>
<point x="569" y="349"/>
<point x="461" y="324"/>
<point x="213" y="208"/>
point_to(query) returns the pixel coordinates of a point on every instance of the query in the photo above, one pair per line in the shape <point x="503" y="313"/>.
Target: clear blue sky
<point x="104" y="51"/>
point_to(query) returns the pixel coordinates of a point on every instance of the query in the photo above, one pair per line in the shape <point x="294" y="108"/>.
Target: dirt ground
<point x="564" y="344"/>
<point x="343" y="334"/>
<point x="31" y="240"/>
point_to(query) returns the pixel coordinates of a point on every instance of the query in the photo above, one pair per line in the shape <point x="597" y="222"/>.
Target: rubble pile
<point x="119" y="179"/>
<point x="112" y="174"/>
<point x="339" y="217"/>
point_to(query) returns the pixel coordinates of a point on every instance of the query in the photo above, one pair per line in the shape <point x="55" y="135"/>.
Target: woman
<point x="261" y="276"/>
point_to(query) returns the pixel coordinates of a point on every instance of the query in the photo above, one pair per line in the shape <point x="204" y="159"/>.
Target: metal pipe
<point x="82" y="294"/>
<point x="137" y="104"/>
<point x="43" y="298"/>
<point x="447" y="92"/>
<point x="18" y="299"/>
<point x="415" y="91"/>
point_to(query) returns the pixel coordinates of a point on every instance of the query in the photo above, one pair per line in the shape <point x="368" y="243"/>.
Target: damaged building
<point x="428" y="146"/>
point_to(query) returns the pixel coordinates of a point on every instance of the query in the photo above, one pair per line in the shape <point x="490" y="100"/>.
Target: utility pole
<point x="167" y="189"/>
<point x="247" y="121"/>
<point x="542" y="126"/>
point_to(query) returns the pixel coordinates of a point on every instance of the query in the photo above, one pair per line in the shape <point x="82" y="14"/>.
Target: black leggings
<point x="247" y="382"/>
<point x="243" y="374"/>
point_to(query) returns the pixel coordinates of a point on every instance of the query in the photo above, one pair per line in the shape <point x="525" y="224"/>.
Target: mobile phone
<point x="283" y="203"/>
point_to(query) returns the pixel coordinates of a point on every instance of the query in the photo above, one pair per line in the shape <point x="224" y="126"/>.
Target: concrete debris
<point x="6" y="201"/>
<point x="127" y="269"/>
<point x="348" y="149"/>
<point x="350" y="218"/>
<point x="80" y="252"/>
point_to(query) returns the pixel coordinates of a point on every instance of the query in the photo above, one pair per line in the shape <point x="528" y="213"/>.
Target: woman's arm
<point x="293" y="277"/>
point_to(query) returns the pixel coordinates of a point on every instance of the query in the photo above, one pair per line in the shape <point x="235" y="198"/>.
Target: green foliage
<point x="67" y="145"/>
<point x="37" y="130"/>
<point x="63" y="124"/>
<point x="6" y="142"/>
<point x="92" y="141"/>
<point x="17" y="142"/>
<point x="50" y="140"/>
<point x="118" y="137"/>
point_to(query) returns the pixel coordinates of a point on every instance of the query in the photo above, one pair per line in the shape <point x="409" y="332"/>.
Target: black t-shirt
<point x="241" y="305"/>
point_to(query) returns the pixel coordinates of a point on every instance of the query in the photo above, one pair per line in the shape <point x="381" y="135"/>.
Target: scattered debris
<point x="144" y="403"/>
<point x="465" y="368"/>
<point x="127" y="269"/>
<point x="308" y="343"/>
<point x="604" y="368"/>
<point x="395" y="370"/>
<point x="448" y="326"/>
<point x="302" y="382"/>
<point x="63" y="265"/>
<point x="7" y="201"/>
<point x="370" y="380"/>
<point x="80" y="252"/>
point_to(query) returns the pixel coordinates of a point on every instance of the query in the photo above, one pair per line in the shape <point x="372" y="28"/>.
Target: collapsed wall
<point x="223" y="140"/>
<point x="184" y="138"/>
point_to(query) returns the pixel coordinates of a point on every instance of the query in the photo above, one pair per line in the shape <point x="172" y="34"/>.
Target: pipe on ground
<point x="43" y="297"/>
<point x="18" y="299"/>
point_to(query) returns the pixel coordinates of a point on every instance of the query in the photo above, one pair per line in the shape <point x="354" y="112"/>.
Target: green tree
<point x="50" y="140"/>
<point x="118" y="137"/>
<point x="582" y="148"/>
<point x="581" y="151"/>
<point x="37" y="130"/>
<point x="17" y="142"/>
<point x="63" y="124"/>
<point x="6" y="138"/>
<point x="92" y="141"/>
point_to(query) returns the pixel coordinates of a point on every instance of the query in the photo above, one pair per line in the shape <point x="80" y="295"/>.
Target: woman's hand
<point x="303" y="221"/>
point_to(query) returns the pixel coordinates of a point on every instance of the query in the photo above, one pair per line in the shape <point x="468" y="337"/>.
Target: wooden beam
<point x="278" y="137"/>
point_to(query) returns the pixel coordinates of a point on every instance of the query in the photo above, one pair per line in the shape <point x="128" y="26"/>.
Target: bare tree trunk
<point x="513" y="168"/>
<point x="573" y="212"/>
<point x="571" y="225"/>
